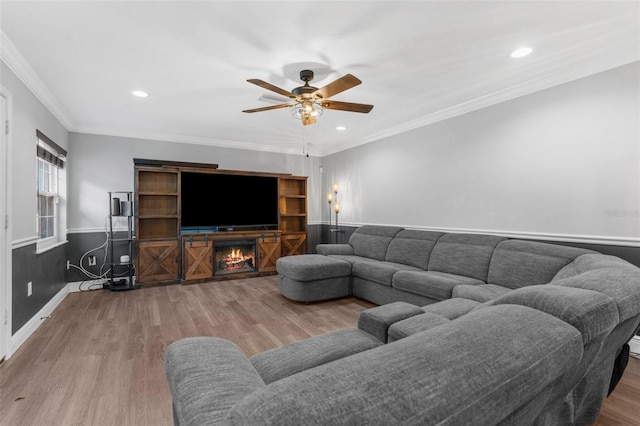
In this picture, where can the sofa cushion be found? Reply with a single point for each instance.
(432, 284)
(480, 293)
(376, 321)
(379, 272)
(412, 247)
(312, 267)
(372, 241)
(464, 254)
(452, 308)
(293, 358)
(327, 249)
(621, 284)
(518, 263)
(593, 314)
(589, 262)
(415, 324)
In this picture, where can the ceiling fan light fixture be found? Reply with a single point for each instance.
(306, 109)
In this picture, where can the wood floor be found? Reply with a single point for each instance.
(99, 359)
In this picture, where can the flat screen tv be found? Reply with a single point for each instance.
(228, 202)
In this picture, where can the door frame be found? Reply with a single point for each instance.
(5, 220)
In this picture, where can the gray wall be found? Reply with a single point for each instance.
(560, 162)
(45, 270)
(105, 163)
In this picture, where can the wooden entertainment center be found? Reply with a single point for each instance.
(167, 252)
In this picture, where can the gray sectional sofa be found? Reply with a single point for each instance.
(471, 329)
(390, 264)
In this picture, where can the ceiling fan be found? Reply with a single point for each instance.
(308, 102)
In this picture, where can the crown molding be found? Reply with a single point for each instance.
(195, 140)
(21, 68)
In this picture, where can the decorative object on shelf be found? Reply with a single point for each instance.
(308, 102)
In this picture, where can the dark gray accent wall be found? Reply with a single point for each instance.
(47, 273)
(92, 243)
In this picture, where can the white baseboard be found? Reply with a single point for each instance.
(634, 344)
(32, 325)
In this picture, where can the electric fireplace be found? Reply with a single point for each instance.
(234, 257)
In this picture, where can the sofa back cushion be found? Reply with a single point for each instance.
(372, 241)
(594, 314)
(518, 263)
(412, 247)
(464, 254)
(590, 262)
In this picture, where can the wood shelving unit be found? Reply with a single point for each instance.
(158, 224)
(164, 255)
(292, 191)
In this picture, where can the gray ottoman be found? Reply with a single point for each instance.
(313, 277)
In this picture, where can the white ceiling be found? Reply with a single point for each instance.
(419, 61)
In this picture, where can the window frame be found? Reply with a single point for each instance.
(50, 162)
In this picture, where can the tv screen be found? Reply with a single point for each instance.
(229, 201)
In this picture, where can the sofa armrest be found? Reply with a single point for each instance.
(339, 249)
(376, 321)
(207, 377)
(293, 358)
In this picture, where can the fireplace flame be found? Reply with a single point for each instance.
(235, 259)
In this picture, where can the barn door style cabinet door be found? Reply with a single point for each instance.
(157, 224)
(269, 251)
(198, 257)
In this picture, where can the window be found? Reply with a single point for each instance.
(47, 199)
(50, 159)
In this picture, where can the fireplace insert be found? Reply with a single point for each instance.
(234, 257)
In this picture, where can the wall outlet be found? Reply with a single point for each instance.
(92, 261)
(68, 265)
(29, 288)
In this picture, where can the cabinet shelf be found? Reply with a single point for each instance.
(148, 193)
(158, 216)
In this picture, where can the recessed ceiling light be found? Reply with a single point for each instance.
(521, 52)
(140, 93)
(341, 128)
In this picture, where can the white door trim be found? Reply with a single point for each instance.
(5, 234)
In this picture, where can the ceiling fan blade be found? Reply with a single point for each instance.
(347, 106)
(271, 87)
(340, 85)
(267, 108)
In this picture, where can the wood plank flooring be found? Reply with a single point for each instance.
(99, 359)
